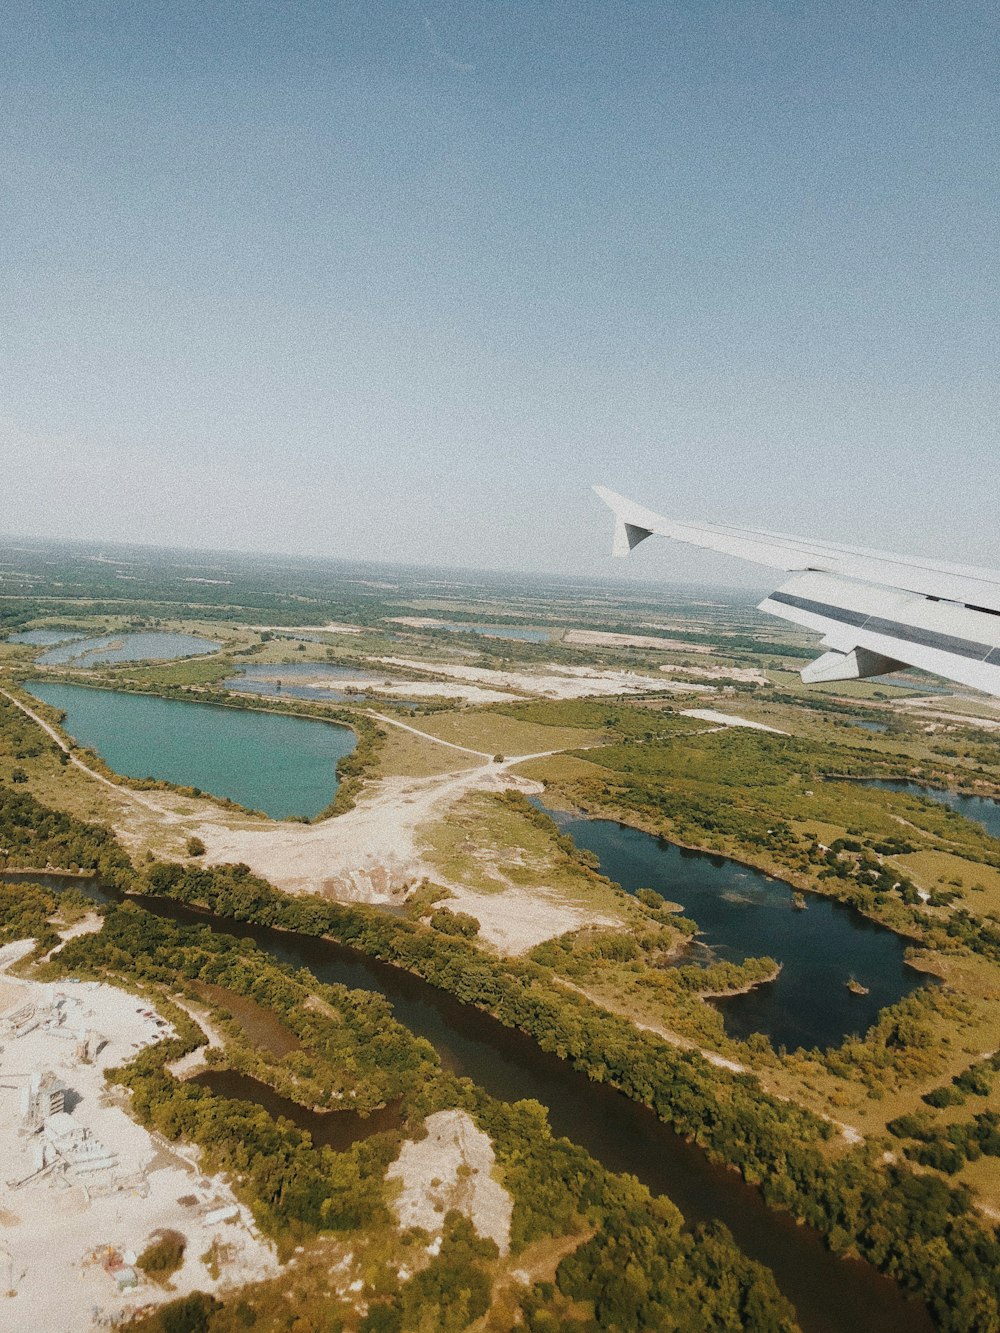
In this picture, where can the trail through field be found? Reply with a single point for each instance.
(372, 853)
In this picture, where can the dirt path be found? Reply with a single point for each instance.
(426, 735)
(372, 853)
(195, 1061)
(54, 735)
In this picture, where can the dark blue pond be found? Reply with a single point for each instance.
(980, 809)
(742, 914)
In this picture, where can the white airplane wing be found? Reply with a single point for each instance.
(877, 612)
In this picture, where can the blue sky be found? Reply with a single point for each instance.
(402, 280)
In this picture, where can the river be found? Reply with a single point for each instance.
(831, 1295)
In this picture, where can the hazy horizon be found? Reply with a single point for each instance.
(400, 282)
(214, 558)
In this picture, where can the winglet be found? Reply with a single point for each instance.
(627, 535)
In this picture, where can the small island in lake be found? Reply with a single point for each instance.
(855, 987)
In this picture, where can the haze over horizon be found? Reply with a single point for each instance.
(399, 282)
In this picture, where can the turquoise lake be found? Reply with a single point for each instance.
(500, 632)
(281, 765)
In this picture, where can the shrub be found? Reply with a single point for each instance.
(163, 1256)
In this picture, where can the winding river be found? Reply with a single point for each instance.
(831, 1295)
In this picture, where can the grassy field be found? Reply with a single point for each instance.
(489, 846)
(494, 733)
(405, 755)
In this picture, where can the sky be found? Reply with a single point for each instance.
(401, 281)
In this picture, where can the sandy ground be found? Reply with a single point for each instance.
(195, 1060)
(50, 1227)
(517, 919)
(375, 853)
(372, 853)
(930, 708)
(396, 689)
(557, 682)
(332, 627)
(728, 720)
(588, 638)
(432, 1185)
(751, 674)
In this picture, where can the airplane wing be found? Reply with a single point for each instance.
(877, 612)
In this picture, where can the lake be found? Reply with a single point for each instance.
(743, 913)
(831, 1294)
(281, 765)
(40, 638)
(110, 649)
(285, 678)
(981, 809)
(518, 632)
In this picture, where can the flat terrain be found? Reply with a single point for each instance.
(685, 717)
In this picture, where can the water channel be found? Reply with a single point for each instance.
(330, 1129)
(266, 761)
(831, 1295)
(980, 809)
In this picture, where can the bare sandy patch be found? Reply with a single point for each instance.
(85, 1187)
(331, 627)
(517, 919)
(588, 638)
(555, 682)
(728, 720)
(370, 854)
(752, 675)
(195, 1061)
(452, 1169)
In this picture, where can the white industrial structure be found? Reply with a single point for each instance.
(877, 612)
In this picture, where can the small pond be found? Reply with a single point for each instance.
(281, 765)
(315, 681)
